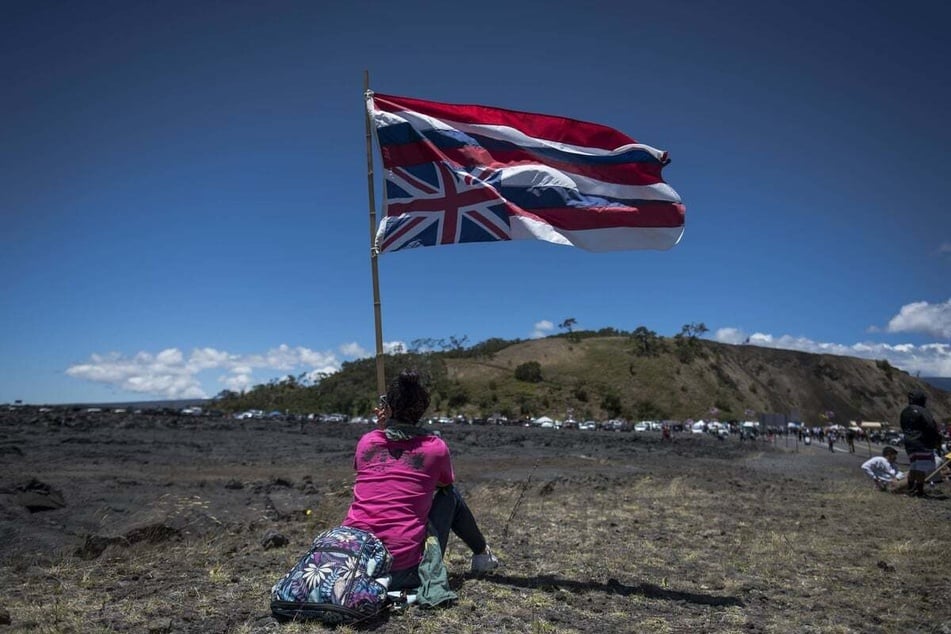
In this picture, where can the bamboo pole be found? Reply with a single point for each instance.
(947, 461)
(374, 254)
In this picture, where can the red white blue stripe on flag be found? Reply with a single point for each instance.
(467, 173)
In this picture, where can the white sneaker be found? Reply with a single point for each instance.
(484, 562)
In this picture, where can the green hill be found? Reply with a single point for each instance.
(636, 376)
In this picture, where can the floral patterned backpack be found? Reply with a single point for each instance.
(342, 579)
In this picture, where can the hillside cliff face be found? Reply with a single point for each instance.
(695, 380)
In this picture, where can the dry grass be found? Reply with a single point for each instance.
(600, 536)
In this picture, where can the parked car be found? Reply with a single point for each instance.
(893, 437)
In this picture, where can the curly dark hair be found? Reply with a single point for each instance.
(407, 398)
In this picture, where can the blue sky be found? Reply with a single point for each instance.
(184, 188)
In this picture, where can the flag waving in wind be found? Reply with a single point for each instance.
(466, 173)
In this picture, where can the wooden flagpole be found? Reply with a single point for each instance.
(377, 306)
(947, 461)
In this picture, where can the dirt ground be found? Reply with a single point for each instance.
(149, 523)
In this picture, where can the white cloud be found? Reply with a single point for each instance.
(353, 350)
(945, 248)
(169, 357)
(542, 328)
(164, 374)
(932, 359)
(238, 382)
(930, 319)
(729, 335)
(315, 376)
(205, 358)
(394, 347)
(169, 374)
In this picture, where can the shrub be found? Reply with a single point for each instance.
(530, 372)
(885, 367)
(611, 403)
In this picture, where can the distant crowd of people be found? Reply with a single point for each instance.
(926, 445)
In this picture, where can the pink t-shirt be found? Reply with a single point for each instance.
(394, 490)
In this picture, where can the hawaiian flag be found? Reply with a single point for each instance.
(467, 173)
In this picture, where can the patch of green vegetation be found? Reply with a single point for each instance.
(529, 372)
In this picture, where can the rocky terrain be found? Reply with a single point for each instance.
(163, 523)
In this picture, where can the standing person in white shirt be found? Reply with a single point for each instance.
(882, 470)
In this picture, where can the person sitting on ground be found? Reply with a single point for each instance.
(882, 470)
(404, 494)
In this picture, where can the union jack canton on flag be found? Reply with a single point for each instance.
(466, 173)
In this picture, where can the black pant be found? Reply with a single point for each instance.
(449, 512)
